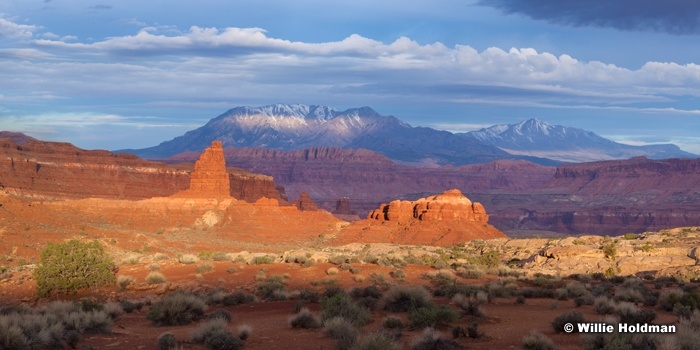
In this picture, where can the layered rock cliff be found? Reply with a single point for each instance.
(209, 178)
(55, 170)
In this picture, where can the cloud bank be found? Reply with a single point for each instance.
(679, 17)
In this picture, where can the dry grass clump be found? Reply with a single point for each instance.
(376, 340)
(187, 259)
(304, 319)
(124, 281)
(160, 256)
(332, 271)
(538, 341)
(431, 339)
(155, 278)
(342, 331)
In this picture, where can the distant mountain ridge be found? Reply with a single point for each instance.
(292, 127)
(298, 126)
(536, 138)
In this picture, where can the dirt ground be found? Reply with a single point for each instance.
(504, 325)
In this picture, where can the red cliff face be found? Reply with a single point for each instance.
(54, 170)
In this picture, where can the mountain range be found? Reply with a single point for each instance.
(297, 126)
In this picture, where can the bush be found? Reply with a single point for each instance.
(124, 281)
(376, 341)
(431, 339)
(206, 329)
(631, 314)
(260, 260)
(340, 305)
(176, 309)
(341, 331)
(304, 319)
(604, 305)
(392, 322)
(538, 341)
(244, 331)
(223, 341)
(129, 306)
(237, 297)
(403, 299)
(187, 259)
(204, 268)
(222, 314)
(272, 289)
(573, 317)
(434, 316)
(155, 278)
(332, 271)
(167, 341)
(73, 265)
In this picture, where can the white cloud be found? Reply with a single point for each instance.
(13, 30)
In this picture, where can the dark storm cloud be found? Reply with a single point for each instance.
(679, 17)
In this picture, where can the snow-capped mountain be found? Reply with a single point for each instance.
(536, 138)
(296, 126)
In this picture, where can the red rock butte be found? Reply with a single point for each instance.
(451, 205)
(444, 219)
(209, 178)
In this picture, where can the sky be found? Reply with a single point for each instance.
(130, 74)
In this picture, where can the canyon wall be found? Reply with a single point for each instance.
(55, 170)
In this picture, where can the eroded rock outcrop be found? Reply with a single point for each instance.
(209, 178)
(451, 205)
(444, 219)
(305, 203)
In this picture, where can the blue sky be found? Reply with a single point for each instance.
(127, 74)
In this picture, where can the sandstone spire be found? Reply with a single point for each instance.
(210, 178)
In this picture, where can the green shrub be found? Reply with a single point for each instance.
(340, 305)
(73, 265)
(176, 309)
(434, 316)
(403, 299)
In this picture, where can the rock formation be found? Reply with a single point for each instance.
(209, 178)
(304, 203)
(444, 219)
(56, 170)
(450, 206)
